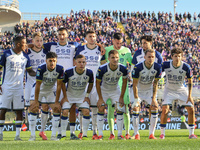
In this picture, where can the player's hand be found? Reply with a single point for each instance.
(154, 104)
(64, 99)
(87, 100)
(1, 92)
(34, 107)
(190, 99)
(57, 107)
(136, 103)
(121, 101)
(100, 102)
(103, 51)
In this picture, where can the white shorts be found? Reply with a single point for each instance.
(143, 95)
(67, 105)
(170, 95)
(93, 98)
(27, 95)
(114, 96)
(45, 97)
(9, 97)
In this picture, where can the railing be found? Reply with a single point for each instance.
(10, 3)
(40, 16)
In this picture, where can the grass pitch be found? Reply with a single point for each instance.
(175, 139)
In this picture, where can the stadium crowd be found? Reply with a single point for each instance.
(166, 33)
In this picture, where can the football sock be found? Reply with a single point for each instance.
(80, 116)
(18, 125)
(162, 128)
(191, 129)
(55, 123)
(64, 123)
(1, 126)
(111, 118)
(72, 128)
(100, 122)
(44, 117)
(86, 122)
(32, 122)
(59, 128)
(120, 121)
(153, 121)
(29, 125)
(127, 120)
(135, 119)
(94, 119)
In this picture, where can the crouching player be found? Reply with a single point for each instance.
(77, 79)
(144, 74)
(107, 87)
(46, 93)
(176, 71)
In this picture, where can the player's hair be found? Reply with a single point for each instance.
(90, 32)
(176, 51)
(80, 56)
(37, 34)
(117, 36)
(112, 52)
(150, 51)
(18, 39)
(51, 55)
(148, 38)
(62, 29)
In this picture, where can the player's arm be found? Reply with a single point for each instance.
(103, 51)
(63, 87)
(90, 86)
(58, 90)
(98, 88)
(124, 85)
(31, 72)
(155, 88)
(135, 92)
(190, 84)
(35, 105)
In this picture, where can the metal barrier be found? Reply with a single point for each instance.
(10, 3)
(40, 16)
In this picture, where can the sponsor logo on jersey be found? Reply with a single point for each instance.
(38, 73)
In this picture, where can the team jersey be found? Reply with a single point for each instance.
(49, 78)
(124, 54)
(93, 57)
(36, 59)
(65, 53)
(77, 83)
(14, 66)
(176, 76)
(109, 77)
(146, 76)
(139, 57)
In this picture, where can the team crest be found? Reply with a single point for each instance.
(97, 53)
(38, 73)
(180, 72)
(122, 54)
(133, 72)
(43, 55)
(152, 72)
(119, 73)
(85, 78)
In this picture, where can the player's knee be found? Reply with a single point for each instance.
(165, 109)
(65, 112)
(190, 110)
(86, 112)
(136, 108)
(45, 107)
(101, 109)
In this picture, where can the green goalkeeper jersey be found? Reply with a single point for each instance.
(124, 58)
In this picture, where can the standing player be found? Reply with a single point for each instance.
(125, 57)
(108, 76)
(77, 79)
(93, 56)
(144, 74)
(45, 92)
(146, 43)
(37, 57)
(176, 71)
(14, 63)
